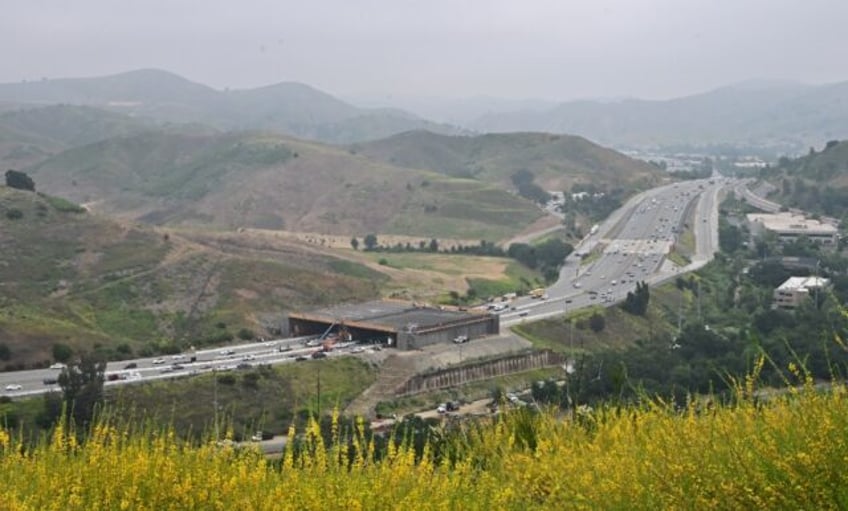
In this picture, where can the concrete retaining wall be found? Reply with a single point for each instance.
(473, 328)
(457, 376)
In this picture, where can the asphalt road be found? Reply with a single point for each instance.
(633, 244)
(228, 358)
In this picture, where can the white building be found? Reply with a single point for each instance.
(797, 289)
(789, 227)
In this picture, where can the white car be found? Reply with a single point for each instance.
(58, 365)
(158, 361)
(14, 386)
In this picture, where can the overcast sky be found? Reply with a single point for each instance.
(558, 49)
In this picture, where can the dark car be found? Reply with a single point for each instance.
(300, 358)
(319, 354)
(131, 365)
(50, 380)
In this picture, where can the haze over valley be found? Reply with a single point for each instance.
(309, 255)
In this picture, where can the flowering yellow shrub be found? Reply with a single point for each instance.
(789, 453)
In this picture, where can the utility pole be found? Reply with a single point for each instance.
(215, 403)
(700, 316)
(318, 384)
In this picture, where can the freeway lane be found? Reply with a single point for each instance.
(217, 359)
(633, 245)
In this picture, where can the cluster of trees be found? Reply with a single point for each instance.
(523, 181)
(636, 301)
(81, 384)
(547, 257)
(598, 202)
(19, 180)
(484, 248)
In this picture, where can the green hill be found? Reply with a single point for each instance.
(30, 135)
(270, 181)
(817, 182)
(556, 161)
(71, 277)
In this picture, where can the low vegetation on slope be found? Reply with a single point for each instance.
(787, 453)
(269, 181)
(556, 161)
(72, 278)
(817, 182)
(30, 135)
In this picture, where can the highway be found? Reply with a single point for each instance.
(227, 358)
(760, 202)
(630, 246)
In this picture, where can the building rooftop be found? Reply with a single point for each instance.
(793, 283)
(789, 222)
(396, 315)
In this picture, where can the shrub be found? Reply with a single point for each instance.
(597, 322)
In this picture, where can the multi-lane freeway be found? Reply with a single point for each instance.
(630, 246)
(24, 383)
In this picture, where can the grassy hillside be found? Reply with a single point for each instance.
(30, 135)
(269, 181)
(817, 182)
(76, 278)
(556, 161)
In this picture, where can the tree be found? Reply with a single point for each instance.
(636, 301)
(82, 388)
(370, 241)
(434, 245)
(62, 352)
(597, 322)
(354, 243)
(19, 180)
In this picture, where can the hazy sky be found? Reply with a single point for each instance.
(558, 49)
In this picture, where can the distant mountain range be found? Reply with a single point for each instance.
(290, 108)
(775, 117)
(766, 116)
(784, 117)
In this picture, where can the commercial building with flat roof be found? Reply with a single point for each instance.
(795, 290)
(789, 227)
(397, 324)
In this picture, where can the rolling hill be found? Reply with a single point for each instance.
(777, 116)
(263, 180)
(556, 161)
(30, 135)
(290, 108)
(817, 182)
(71, 277)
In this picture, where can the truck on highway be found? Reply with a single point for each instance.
(594, 229)
(537, 293)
